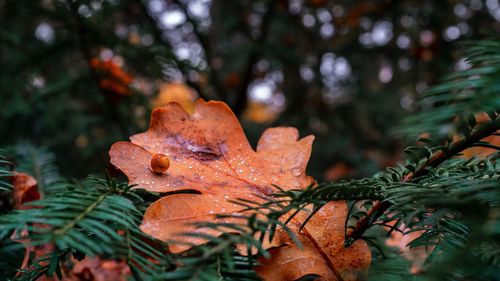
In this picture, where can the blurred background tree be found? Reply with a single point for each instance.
(76, 76)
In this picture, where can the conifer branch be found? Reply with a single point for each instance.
(438, 158)
(71, 224)
(5, 174)
(466, 142)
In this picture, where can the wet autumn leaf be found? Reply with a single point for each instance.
(211, 157)
(323, 252)
(209, 154)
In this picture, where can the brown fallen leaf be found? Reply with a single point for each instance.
(323, 252)
(401, 238)
(176, 92)
(97, 269)
(210, 155)
(89, 269)
(24, 190)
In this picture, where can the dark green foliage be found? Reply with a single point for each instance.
(11, 257)
(460, 95)
(49, 265)
(37, 162)
(51, 96)
(5, 173)
(54, 99)
(205, 263)
(94, 218)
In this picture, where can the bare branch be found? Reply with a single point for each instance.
(158, 36)
(203, 40)
(86, 51)
(247, 75)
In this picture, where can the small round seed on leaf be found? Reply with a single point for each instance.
(219, 163)
(160, 163)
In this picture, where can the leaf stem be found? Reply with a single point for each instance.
(323, 254)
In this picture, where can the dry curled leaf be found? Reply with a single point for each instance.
(400, 240)
(24, 190)
(97, 269)
(89, 269)
(210, 156)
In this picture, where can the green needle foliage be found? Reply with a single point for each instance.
(95, 218)
(460, 95)
(453, 203)
(37, 162)
(5, 172)
(454, 206)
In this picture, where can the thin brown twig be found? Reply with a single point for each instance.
(435, 160)
(247, 75)
(87, 55)
(215, 81)
(158, 36)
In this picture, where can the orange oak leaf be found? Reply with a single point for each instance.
(323, 252)
(210, 155)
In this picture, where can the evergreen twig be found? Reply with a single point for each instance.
(439, 157)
